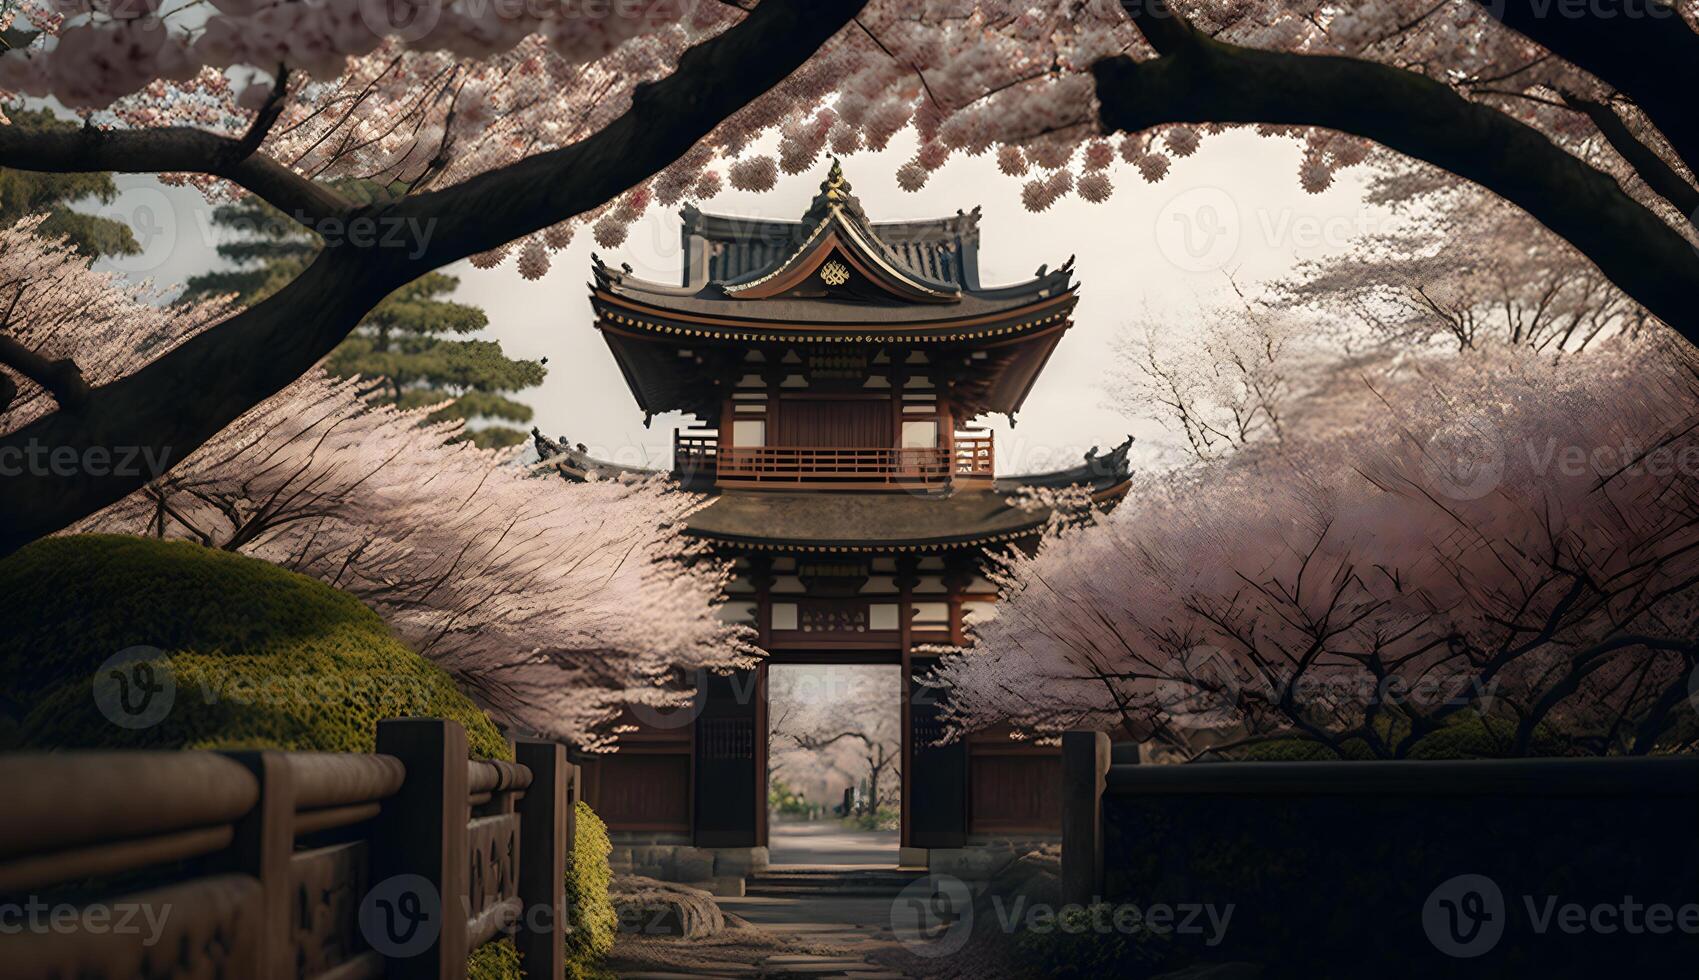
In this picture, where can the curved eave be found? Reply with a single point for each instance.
(966, 537)
(638, 318)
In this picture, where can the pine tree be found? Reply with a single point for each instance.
(24, 193)
(411, 342)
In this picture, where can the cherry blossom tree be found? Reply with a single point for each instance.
(1460, 267)
(1504, 536)
(51, 305)
(500, 130)
(616, 99)
(840, 719)
(1220, 389)
(554, 603)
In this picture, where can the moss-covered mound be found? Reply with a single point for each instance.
(248, 655)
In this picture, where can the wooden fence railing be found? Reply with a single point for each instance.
(286, 864)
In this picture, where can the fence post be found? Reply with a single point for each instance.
(421, 834)
(544, 820)
(1085, 763)
(265, 839)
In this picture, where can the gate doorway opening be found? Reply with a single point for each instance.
(834, 772)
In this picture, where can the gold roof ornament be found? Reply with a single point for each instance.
(835, 187)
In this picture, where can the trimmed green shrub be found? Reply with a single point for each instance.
(592, 921)
(1084, 944)
(498, 960)
(261, 657)
(1467, 737)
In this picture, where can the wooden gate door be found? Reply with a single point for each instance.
(729, 791)
(938, 784)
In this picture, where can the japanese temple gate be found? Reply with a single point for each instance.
(837, 367)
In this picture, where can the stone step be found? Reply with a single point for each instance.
(841, 884)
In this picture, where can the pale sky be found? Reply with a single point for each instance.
(1159, 250)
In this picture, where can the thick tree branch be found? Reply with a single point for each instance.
(172, 149)
(264, 119)
(62, 378)
(666, 119)
(1648, 54)
(176, 403)
(1202, 80)
(1662, 178)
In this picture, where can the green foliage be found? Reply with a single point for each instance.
(592, 922)
(1466, 737)
(1083, 943)
(498, 960)
(25, 192)
(407, 341)
(884, 818)
(782, 799)
(261, 657)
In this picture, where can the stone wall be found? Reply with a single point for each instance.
(671, 857)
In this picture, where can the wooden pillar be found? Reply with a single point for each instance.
(545, 846)
(958, 576)
(906, 580)
(939, 817)
(761, 576)
(1085, 764)
(265, 839)
(421, 834)
(729, 761)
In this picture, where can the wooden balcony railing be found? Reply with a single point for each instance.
(699, 455)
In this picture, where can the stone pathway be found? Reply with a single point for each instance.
(825, 843)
